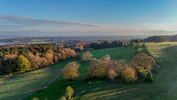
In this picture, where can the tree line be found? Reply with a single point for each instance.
(105, 44)
(21, 59)
(139, 68)
(163, 38)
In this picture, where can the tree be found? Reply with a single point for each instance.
(67, 52)
(120, 66)
(63, 54)
(144, 60)
(86, 56)
(112, 74)
(8, 63)
(34, 60)
(69, 92)
(49, 58)
(59, 56)
(106, 57)
(23, 64)
(97, 69)
(128, 74)
(55, 59)
(71, 70)
(44, 62)
(72, 53)
(149, 77)
(142, 73)
(63, 98)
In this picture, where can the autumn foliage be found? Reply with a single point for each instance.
(129, 72)
(68, 94)
(70, 70)
(144, 60)
(97, 69)
(112, 74)
(87, 56)
(10, 64)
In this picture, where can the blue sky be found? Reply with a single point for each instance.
(88, 17)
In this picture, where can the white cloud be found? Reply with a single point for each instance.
(20, 25)
(13, 20)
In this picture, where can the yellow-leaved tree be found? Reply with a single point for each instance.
(23, 64)
(71, 70)
(69, 92)
(128, 74)
(97, 69)
(112, 74)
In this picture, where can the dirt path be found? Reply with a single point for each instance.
(43, 86)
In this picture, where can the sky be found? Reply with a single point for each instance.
(88, 17)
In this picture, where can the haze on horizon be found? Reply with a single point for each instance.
(88, 17)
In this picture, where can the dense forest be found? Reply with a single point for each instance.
(164, 38)
(20, 58)
(107, 44)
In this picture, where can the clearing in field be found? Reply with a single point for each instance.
(20, 86)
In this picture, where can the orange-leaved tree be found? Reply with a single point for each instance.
(143, 60)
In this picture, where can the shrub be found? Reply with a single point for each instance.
(35, 98)
(90, 83)
(144, 45)
(149, 77)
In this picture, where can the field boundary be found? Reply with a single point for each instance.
(156, 60)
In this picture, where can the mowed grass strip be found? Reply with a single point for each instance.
(18, 86)
(57, 89)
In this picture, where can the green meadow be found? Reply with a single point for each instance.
(163, 88)
(19, 86)
(164, 85)
(57, 89)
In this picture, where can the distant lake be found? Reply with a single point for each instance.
(5, 43)
(5, 38)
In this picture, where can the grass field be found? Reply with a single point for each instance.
(57, 89)
(20, 85)
(163, 88)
